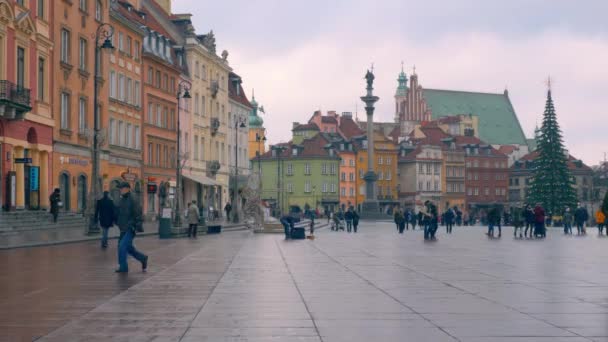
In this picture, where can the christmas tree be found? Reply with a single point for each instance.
(605, 204)
(552, 183)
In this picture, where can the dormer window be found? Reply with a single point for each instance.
(294, 152)
(341, 147)
(331, 152)
(274, 153)
(364, 143)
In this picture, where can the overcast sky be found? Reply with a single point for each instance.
(301, 56)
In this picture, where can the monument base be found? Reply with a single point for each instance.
(370, 210)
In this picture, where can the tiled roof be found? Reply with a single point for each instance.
(571, 161)
(153, 24)
(313, 147)
(467, 140)
(498, 123)
(508, 149)
(329, 119)
(449, 119)
(349, 128)
(306, 127)
(133, 14)
(239, 96)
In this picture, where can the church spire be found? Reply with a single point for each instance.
(402, 83)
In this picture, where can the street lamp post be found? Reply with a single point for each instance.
(261, 140)
(239, 122)
(183, 91)
(278, 151)
(102, 41)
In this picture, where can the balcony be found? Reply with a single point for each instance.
(213, 166)
(14, 101)
(215, 126)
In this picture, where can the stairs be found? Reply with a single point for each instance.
(17, 221)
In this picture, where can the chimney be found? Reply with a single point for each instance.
(165, 5)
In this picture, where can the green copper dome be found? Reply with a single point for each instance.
(255, 121)
(402, 80)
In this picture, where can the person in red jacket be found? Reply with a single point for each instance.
(539, 221)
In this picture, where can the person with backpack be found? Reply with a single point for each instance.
(104, 215)
(129, 221)
(449, 220)
(580, 217)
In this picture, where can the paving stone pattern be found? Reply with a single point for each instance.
(371, 286)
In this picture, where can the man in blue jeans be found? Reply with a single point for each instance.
(129, 221)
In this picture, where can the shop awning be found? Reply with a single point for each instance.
(204, 180)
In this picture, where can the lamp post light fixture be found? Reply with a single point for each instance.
(183, 92)
(278, 151)
(103, 40)
(261, 139)
(239, 122)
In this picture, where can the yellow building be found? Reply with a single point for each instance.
(385, 167)
(257, 133)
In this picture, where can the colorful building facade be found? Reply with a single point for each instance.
(26, 119)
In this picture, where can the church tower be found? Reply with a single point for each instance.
(401, 96)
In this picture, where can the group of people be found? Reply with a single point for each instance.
(127, 215)
(342, 220)
(427, 219)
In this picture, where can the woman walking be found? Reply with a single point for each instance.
(55, 201)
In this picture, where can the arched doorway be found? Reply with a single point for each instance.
(64, 188)
(82, 193)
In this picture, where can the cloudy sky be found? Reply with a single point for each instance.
(301, 56)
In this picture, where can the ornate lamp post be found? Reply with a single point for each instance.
(261, 139)
(103, 40)
(183, 91)
(238, 123)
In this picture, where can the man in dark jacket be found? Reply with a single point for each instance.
(348, 217)
(129, 221)
(580, 217)
(493, 221)
(288, 224)
(55, 200)
(539, 221)
(449, 216)
(529, 219)
(104, 215)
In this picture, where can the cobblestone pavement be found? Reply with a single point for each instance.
(372, 286)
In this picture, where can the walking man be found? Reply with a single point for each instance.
(600, 218)
(348, 216)
(129, 221)
(55, 200)
(104, 214)
(580, 217)
(494, 220)
(449, 220)
(355, 220)
(539, 221)
(228, 209)
(400, 220)
(518, 222)
(529, 217)
(193, 216)
(567, 221)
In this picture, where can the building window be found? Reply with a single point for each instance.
(380, 160)
(112, 132)
(40, 8)
(307, 186)
(333, 169)
(486, 191)
(324, 188)
(129, 135)
(428, 186)
(333, 187)
(290, 169)
(157, 79)
(361, 174)
(150, 153)
(137, 94)
(121, 87)
(159, 115)
(137, 137)
(150, 76)
(112, 84)
(352, 192)
(98, 10)
(129, 91)
(82, 115)
(65, 111)
(307, 169)
(166, 156)
(388, 175)
(195, 147)
(380, 175)
(158, 155)
(82, 59)
(65, 46)
(290, 187)
(41, 78)
(83, 5)
(121, 133)
(470, 192)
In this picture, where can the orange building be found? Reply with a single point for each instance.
(385, 168)
(124, 77)
(26, 123)
(74, 30)
(162, 66)
(257, 133)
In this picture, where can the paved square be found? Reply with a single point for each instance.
(372, 286)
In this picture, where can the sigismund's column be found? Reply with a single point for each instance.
(370, 207)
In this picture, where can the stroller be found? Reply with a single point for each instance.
(338, 223)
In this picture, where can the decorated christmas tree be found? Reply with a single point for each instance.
(552, 183)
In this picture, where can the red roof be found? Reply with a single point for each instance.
(349, 128)
(434, 133)
(508, 149)
(306, 127)
(571, 161)
(329, 119)
(237, 96)
(313, 147)
(133, 14)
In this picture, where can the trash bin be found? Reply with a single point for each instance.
(214, 229)
(164, 228)
(164, 224)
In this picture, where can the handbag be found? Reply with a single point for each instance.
(60, 204)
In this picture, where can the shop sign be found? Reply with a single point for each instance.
(34, 178)
(23, 160)
(129, 177)
(73, 161)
